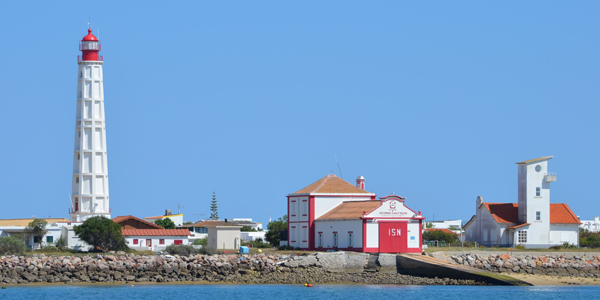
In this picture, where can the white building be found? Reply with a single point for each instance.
(89, 196)
(222, 235)
(532, 222)
(452, 225)
(334, 214)
(55, 229)
(143, 235)
(591, 225)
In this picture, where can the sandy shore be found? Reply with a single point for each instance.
(556, 280)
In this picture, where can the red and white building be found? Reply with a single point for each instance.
(334, 214)
(143, 235)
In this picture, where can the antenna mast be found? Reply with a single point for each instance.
(338, 164)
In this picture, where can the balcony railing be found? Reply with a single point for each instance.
(100, 58)
(550, 177)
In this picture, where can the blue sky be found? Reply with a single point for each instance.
(433, 101)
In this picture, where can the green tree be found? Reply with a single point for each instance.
(10, 245)
(438, 235)
(37, 229)
(247, 228)
(166, 223)
(274, 229)
(429, 225)
(101, 233)
(214, 215)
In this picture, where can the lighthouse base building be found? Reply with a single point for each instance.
(334, 214)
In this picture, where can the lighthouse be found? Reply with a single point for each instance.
(89, 196)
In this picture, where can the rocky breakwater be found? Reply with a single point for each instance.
(559, 265)
(336, 267)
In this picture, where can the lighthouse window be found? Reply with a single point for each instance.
(538, 215)
(76, 179)
(538, 191)
(78, 156)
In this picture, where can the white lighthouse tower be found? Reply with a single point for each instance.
(90, 174)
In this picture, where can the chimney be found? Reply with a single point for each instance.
(360, 182)
(167, 212)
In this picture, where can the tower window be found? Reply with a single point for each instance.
(76, 179)
(538, 215)
(538, 191)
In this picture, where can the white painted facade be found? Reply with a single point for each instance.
(339, 233)
(298, 217)
(224, 237)
(591, 225)
(89, 195)
(154, 243)
(532, 227)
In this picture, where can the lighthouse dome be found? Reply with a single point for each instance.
(90, 36)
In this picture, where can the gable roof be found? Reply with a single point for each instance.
(560, 213)
(535, 160)
(331, 184)
(155, 232)
(350, 210)
(121, 219)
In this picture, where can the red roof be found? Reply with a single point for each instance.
(351, 210)
(90, 36)
(155, 232)
(560, 213)
(121, 219)
(442, 230)
(331, 184)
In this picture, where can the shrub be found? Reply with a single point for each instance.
(557, 247)
(186, 250)
(203, 241)
(11, 245)
(286, 247)
(181, 250)
(207, 250)
(520, 247)
(258, 243)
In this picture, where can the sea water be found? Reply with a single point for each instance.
(279, 292)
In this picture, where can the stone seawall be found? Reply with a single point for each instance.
(338, 267)
(549, 264)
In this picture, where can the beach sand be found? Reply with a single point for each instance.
(556, 280)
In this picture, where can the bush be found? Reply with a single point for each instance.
(438, 235)
(186, 250)
(12, 245)
(258, 243)
(286, 247)
(203, 241)
(520, 247)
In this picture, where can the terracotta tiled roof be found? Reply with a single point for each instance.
(560, 213)
(25, 222)
(350, 210)
(504, 212)
(518, 226)
(331, 184)
(155, 232)
(121, 219)
(442, 230)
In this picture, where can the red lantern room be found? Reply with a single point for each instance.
(89, 46)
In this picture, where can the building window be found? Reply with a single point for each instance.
(522, 237)
(161, 241)
(76, 179)
(335, 239)
(135, 241)
(201, 229)
(538, 215)
(350, 236)
(49, 239)
(177, 242)
(320, 243)
(538, 191)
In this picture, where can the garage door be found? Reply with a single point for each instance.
(392, 237)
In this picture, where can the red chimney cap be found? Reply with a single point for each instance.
(90, 36)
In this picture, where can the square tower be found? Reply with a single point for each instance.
(534, 197)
